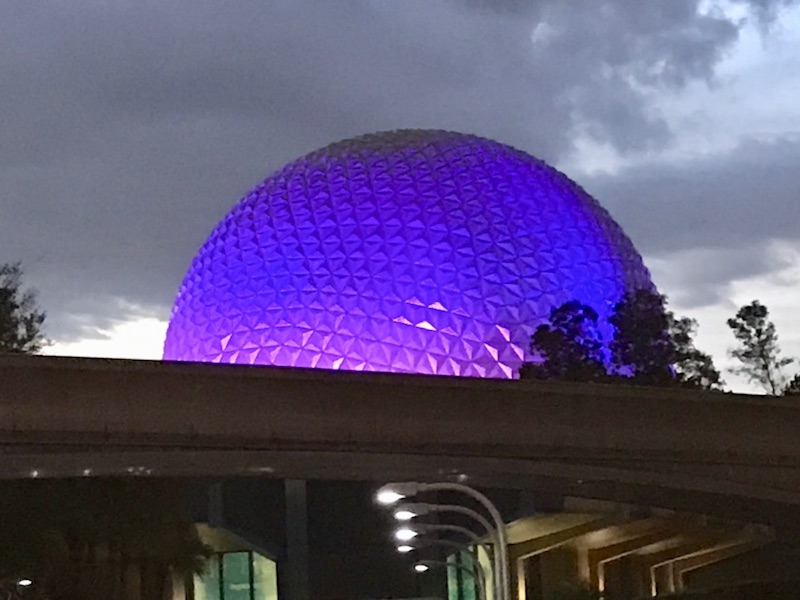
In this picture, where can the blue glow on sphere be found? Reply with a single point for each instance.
(408, 251)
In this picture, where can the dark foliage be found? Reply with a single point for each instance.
(20, 318)
(758, 350)
(792, 388)
(642, 349)
(569, 348)
(78, 538)
(693, 368)
(650, 346)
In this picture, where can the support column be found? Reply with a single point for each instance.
(662, 579)
(295, 573)
(517, 576)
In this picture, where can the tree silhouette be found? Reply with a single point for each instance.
(650, 346)
(758, 351)
(569, 347)
(642, 349)
(792, 388)
(20, 318)
(693, 368)
(81, 538)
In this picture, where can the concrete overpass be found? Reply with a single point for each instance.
(736, 454)
(605, 451)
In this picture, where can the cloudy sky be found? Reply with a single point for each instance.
(130, 128)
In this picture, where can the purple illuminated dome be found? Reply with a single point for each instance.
(408, 251)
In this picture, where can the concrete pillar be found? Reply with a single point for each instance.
(295, 572)
(663, 578)
(517, 576)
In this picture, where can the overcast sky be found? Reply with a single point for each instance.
(129, 128)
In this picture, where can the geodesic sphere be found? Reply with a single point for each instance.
(408, 251)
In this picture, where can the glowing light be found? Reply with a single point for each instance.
(388, 496)
(408, 251)
(421, 568)
(405, 549)
(405, 534)
(24, 582)
(404, 515)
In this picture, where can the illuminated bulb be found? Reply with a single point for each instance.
(405, 549)
(24, 582)
(420, 568)
(387, 497)
(404, 515)
(405, 534)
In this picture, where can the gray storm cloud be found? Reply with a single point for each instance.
(130, 128)
(727, 208)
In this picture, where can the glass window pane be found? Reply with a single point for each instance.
(236, 576)
(467, 579)
(453, 579)
(207, 586)
(265, 578)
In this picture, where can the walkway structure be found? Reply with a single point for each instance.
(62, 416)
(733, 456)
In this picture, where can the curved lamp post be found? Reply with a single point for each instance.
(392, 493)
(409, 532)
(409, 511)
(478, 574)
(406, 534)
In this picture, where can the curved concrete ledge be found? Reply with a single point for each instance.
(179, 416)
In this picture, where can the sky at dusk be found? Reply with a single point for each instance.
(129, 129)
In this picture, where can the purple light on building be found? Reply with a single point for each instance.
(407, 251)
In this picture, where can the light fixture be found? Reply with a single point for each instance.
(495, 527)
(24, 582)
(421, 568)
(405, 534)
(405, 549)
(408, 511)
(394, 492)
(388, 496)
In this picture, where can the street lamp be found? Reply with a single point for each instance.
(424, 542)
(392, 493)
(408, 511)
(409, 532)
(405, 534)
(388, 496)
(11, 587)
(420, 542)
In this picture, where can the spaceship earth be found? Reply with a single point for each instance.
(414, 251)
